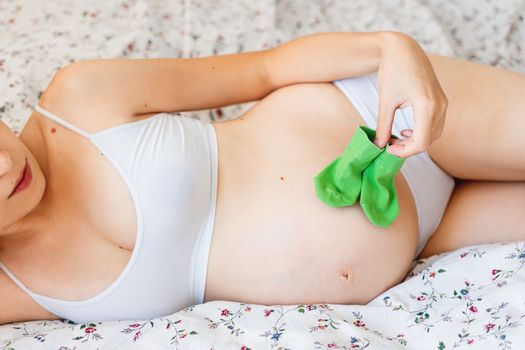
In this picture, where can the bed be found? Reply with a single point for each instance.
(473, 297)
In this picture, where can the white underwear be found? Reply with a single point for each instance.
(431, 186)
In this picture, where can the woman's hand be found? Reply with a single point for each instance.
(406, 78)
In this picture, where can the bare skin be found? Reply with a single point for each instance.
(273, 240)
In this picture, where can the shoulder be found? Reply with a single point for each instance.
(73, 98)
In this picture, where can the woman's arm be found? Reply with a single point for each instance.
(140, 86)
(404, 73)
(325, 57)
(133, 87)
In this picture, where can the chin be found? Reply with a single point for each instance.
(37, 189)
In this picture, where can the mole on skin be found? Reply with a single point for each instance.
(53, 130)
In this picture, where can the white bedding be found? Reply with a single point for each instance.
(470, 298)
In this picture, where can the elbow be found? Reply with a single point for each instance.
(267, 70)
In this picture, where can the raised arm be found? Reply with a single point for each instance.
(405, 77)
(325, 57)
(140, 86)
(143, 86)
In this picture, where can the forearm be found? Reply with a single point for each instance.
(324, 57)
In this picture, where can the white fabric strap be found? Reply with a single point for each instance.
(62, 122)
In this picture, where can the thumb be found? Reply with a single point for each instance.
(384, 124)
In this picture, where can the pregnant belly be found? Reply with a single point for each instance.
(274, 241)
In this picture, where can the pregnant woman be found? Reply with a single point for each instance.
(113, 209)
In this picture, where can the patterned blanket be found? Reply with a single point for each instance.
(470, 298)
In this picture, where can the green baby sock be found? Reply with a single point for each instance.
(366, 170)
(378, 193)
(339, 184)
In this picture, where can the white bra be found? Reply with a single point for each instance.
(169, 163)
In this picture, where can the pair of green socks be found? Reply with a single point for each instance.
(363, 170)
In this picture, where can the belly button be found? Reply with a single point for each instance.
(345, 277)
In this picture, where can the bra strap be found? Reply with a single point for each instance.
(14, 279)
(62, 122)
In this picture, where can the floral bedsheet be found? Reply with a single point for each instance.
(471, 298)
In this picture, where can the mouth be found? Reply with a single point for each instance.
(22, 179)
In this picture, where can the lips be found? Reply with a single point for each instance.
(19, 179)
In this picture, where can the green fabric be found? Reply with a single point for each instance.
(339, 184)
(366, 171)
